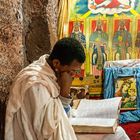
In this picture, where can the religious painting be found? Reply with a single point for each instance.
(126, 88)
(122, 39)
(98, 42)
(76, 30)
(111, 7)
(114, 41)
(137, 42)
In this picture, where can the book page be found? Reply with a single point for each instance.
(93, 122)
(105, 108)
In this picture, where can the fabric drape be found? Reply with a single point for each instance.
(63, 17)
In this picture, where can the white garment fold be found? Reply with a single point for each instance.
(34, 110)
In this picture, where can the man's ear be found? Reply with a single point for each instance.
(56, 63)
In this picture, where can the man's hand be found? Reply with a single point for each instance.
(65, 81)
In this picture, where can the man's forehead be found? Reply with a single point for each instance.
(75, 63)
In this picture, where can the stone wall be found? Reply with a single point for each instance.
(27, 28)
(40, 26)
(11, 49)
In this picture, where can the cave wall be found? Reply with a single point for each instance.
(28, 29)
(11, 50)
(40, 27)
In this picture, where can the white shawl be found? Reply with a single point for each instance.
(34, 111)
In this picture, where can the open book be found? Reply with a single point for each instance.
(96, 116)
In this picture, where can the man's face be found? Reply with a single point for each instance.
(71, 69)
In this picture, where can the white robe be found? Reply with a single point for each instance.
(34, 110)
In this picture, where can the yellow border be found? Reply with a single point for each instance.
(136, 49)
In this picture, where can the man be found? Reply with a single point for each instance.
(39, 93)
(34, 110)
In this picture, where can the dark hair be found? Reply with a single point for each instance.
(66, 50)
